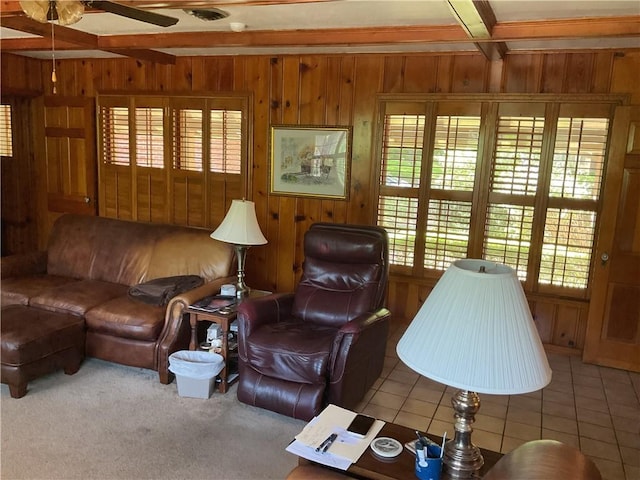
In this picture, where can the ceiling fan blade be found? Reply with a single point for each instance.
(132, 12)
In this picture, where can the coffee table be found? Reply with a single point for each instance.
(371, 467)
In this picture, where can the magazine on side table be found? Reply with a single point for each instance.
(215, 304)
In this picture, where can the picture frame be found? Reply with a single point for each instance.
(310, 161)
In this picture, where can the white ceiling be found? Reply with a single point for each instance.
(350, 14)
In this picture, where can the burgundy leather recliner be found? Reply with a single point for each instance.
(324, 343)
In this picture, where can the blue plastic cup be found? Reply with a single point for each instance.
(432, 466)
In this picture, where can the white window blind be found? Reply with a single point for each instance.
(114, 125)
(149, 137)
(6, 131)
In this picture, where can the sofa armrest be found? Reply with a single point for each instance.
(23, 264)
(255, 312)
(177, 331)
(548, 459)
(357, 357)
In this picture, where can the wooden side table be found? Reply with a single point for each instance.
(224, 321)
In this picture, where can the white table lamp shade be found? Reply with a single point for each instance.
(475, 332)
(240, 225)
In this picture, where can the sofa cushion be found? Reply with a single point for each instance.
(126, 318)
(18, 290)
(190, 251)
(77, 297)
(100, 248)
(130, 253)
(292, 351)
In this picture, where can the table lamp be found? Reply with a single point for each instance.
(240, 228)
(475, 332)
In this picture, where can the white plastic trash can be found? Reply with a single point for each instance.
(195, 372)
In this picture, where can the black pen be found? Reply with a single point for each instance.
(324, 442)
(329, 442)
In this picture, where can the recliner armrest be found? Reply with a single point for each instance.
(366, 320)
(255, 312)
(23, 264)
(357, 357)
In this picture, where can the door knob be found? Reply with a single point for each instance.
(604, 258)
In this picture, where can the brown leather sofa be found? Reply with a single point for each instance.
(326, 342)
(88, 268)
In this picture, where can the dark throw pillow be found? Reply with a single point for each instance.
(159, 291)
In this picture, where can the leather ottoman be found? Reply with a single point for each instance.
(36, 342)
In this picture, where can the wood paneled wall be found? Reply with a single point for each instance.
(341, 90)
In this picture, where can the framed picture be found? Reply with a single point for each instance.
(310, 161)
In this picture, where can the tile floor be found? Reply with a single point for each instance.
(596, 409)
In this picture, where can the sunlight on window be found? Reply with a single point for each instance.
(115, 135)
(567, 246)
(455, 153)
(149, 137)
(398, 217)
(402, 150)
(187, 139)
(6, 131)
(447, 237)
(493, 186)
(578, 158)
(226, 141)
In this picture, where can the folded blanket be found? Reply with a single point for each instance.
(159, 291)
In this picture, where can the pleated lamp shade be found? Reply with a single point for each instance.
(475, 332)
(240, 225)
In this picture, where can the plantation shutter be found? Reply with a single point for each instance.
(516, 182)
(225, 142)
(6, 131)
(114, 135)
(401, 163)
(513, 185)
(149, 128)
(188, 139)
(453, 172)
(576, 182)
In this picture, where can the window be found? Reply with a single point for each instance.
(515, 182)
(6, 131)
(149, 137)
(114, 129)
(183, 133)
(225, 141)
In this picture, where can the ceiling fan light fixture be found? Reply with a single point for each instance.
(69, 11)
(37, 10)
(208, 14)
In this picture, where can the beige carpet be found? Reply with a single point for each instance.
(113, 422)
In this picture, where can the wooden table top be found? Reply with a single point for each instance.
(371, 467)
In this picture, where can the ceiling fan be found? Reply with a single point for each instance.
(68, 12)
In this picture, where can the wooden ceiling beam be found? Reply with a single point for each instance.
(27, 25)
(477, 19)
(12, 7)
(272, 38)
(568, 28)
(64, 36)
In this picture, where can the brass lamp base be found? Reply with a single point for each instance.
(242, 291)
(462, 459)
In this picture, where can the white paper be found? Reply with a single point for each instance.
(345, 450)
(298, 448)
